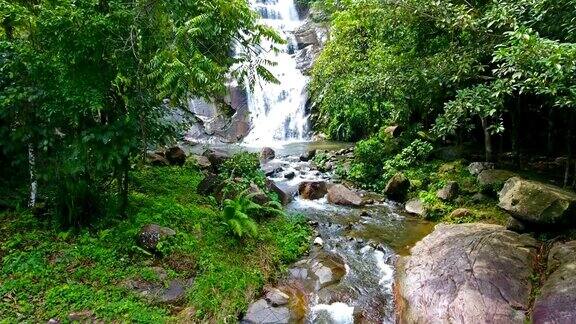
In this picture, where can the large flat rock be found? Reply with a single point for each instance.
(537, 203)
(468, 273)
(557, 300)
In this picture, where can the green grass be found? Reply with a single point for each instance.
(48, 273)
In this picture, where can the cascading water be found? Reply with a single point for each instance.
(278, 111)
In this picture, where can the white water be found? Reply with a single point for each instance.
(278, 111)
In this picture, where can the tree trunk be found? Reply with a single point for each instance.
(568, 148)
(487, 139)
(123, 187)
(33, 178)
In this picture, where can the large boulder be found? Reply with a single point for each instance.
(312, 189)
(285, 197)
(340, 195)
(151, 234)
(267, 154)
(257, 195)
(494, 179)
(538, 203)
(262, 312)
(557, 300)
(397, 187)
(416, 206)
(468, 273)
(176, 156)
(201, 161)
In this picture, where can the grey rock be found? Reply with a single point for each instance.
(340, 195)
(309, 155)
(276, 297)
(449, 191)
(468, 273)
(201, 161)
(394, 131)
(537, 203)
(216, 158)
(557, 300)
(257, 195)
(515, 225)
(460, 213)
(475, 168)
(156, 159)
(261, 312)
(267, 154)
(285, 197)
(416, 206)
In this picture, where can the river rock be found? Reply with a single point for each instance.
(276, 297)
(156, 159)
(151, 234)
(210, 184)
(475, 168)
(449, 191)
(340, 195)
(494, 179)
(201, 161)
(176, 156)
(309, 155)
(537, 203)
(328, 268)
(312, 189)
(467, 273)
(397, 187)
(512, 224)
(285, 198)
(260, 312)
(257, 195)
(557, 300)
(216, 158)
(290, 175)
(416, 206)
(267, 154)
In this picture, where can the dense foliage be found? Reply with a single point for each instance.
(450, 68)
(86, 87)
(47, 272)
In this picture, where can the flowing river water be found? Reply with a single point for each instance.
(348, 275)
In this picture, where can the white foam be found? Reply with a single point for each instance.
(338, 313)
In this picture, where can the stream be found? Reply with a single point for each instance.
(348, 275)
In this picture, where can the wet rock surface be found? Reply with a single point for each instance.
(312, 189)
(557, 300)
(449, 191)
(340, 195)
(456, 274)
(538, 203)
(415, 206)
(397, 187)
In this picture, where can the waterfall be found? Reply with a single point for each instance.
(278, 111)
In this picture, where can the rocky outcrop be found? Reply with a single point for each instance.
(538, 203)
(310, 38)
(267, 154)
(151, 234)
(449, 191)
(176, 156)
(397, 187)
(557, 300)
(312, 189)
(340, 195)
(469, 273)
(415, 206)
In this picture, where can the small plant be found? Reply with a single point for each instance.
(236, 213)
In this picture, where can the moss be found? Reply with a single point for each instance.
(48, 273)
